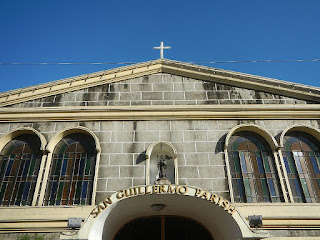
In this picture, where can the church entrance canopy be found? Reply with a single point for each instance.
(212, 212)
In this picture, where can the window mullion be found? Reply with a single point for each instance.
(308, 174)
(254, 181)
(71, 188)
(23, 162)
(246, 183)
(15, 177)
(304, 188)
(317, 175)
(263, 159)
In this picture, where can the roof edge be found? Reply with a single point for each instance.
(161, 66)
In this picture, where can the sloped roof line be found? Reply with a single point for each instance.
(251, 77)
(166, 66)
(79, 77)
(265, 80)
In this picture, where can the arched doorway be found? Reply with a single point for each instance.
(162, 227)
(107, 219)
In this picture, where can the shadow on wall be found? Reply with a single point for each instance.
(141, 157)
(220, 144)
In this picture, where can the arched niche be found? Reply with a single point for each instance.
(157, 152)
(299, 128)
(23, 131)
(253, 128)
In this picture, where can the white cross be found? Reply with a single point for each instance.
(161, 49)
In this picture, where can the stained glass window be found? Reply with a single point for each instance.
(301, 157)
(19, 167)
(253, 172)
(72, 171)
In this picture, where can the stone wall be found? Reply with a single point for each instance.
(30, 236)
(160, 89)
(199, 144)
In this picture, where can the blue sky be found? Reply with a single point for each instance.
(126, 31)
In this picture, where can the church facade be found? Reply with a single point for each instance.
(164, 150)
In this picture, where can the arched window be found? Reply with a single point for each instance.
(253, 171)
(19, 166)
(301, 157)
(72, 171)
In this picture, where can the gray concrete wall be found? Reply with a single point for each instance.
(199, 144)
(30, 236)
(160, 89)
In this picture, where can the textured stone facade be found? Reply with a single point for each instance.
(199, 143)
(123, 143)
(161, 89)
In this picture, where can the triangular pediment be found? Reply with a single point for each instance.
(202, 73)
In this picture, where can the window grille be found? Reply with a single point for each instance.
(302, 158)
(72, 171)
(19, 166)
(253, 172)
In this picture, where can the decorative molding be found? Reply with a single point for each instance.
(302, 128)
(160, 112)
(21, 131)
(40, 219)
(65, 132)
(253, 128)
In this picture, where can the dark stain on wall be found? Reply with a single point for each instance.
(257, 95)
(276, 96)
(132, 148)
(211, 102)
(58, 98)
(52, 101)
(234, 94)
(252, 101)
(217, 95)
(209, 86)
(36, 126)
(101, 88)
(145, 79)
(249, 121)
(223, 87)
(88, 97)
(110, 95)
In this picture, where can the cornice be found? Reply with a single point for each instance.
(77, 83)
(159, 112)
(161, 66)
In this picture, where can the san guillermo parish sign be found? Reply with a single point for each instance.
(164, 189)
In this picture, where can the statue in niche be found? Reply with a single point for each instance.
(162, 168)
